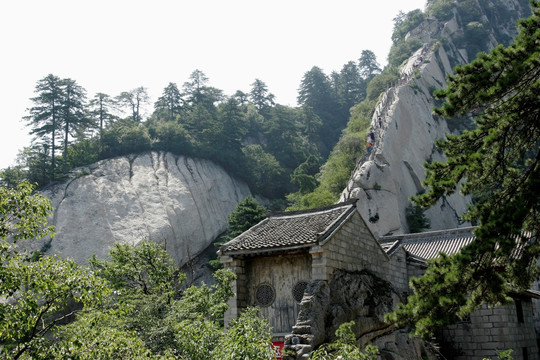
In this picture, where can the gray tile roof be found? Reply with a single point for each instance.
(290, 230)
(428, 245)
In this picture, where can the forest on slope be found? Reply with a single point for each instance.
(251, 136)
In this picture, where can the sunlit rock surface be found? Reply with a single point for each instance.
(181, 202)
(406, 128)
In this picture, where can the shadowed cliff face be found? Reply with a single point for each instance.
(406, 134)
(179, 201)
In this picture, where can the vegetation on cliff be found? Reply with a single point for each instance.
(248, 134)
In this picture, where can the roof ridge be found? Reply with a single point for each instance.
(315, 210)
(426, 234)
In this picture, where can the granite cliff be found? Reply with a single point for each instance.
(179, 201)
(406, 129)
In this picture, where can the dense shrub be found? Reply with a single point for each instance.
(441, 10)
(173, 137)
(402, 50)
(412, 19)
(264, 171)
(416, 219)
(381, 82)
(126, 138)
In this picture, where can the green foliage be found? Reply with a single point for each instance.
(335, 173)
(151, 324)
(145, 268)
(134, 100)
(441, 9)
(82, 153)
(438, 296)
(368, 65)
(242, 132)
(404, 23)
(23, 214)
(416, 218)
(98, 335)
(498, 162)
(337, 170)
(13, 175)
(264, 170)
(345, 347)
(170, 101)
(317, 93)
(173, 137)
(39, 292)
(504, 355)
(261, 97)
(238, 342)
(361, 116)
(304, 175)
(320, 197)
(36, 162)
(475, 35)
(45, 116)
(248, 212)
(468, 11)
(382, 82)
(127, 307)
(403, 50)
(126, 137)
(36, 291)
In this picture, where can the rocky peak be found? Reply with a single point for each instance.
(405, 128)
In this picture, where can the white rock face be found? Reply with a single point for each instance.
(179, 201)
(385, 180)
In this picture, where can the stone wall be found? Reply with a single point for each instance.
(353, 248)
(240, 300)
(495, 329)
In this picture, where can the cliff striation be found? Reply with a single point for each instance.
(179, 201)
(404, 125)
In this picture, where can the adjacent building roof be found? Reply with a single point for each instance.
(428, 245)
(291, 230)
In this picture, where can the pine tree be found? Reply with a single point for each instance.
(134, 99)
(100, 111)
(248, 212)
(170, 100)
(45, 115)
(261, 98)
(74, 119)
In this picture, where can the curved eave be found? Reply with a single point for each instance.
(266, 251)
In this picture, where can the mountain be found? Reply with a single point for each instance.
(179, 201)
(407, 132)
(184, 202)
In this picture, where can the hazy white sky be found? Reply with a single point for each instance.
(111, 46)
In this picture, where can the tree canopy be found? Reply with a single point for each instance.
(247, 133)
(498, 162)
(130, 306)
